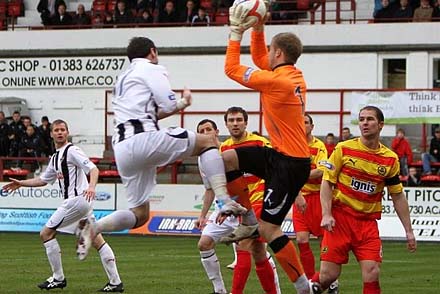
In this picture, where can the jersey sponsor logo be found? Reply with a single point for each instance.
(247, 74)
(85, 162)
(102, 196)
(362, 186)
(326, 164)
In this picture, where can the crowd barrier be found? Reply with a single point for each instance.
(175, 208)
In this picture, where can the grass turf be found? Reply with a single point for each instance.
(168, 265)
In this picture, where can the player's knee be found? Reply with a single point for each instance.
(205, 244)
(371, 273)
(47, 234)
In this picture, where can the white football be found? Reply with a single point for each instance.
(256, 10)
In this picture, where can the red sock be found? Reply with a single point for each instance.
(371, 288)
(265, 275)
(241, 271)
(239, 187)
(307, 259)
(315, 277)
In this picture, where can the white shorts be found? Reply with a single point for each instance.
(66, 217)
(139, 156)
(216, 231)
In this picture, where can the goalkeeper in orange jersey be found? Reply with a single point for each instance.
(351, 197)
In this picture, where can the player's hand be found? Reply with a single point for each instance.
(221, 217)
(328, 222)
(237, 24)
(12, 186)
(201, 222)
(300, 203)
(411, 242)
(186, 99)
(89, 194)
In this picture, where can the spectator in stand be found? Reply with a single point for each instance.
(168, 14)
(400, 145)
(424, 12)
(62, 18)
(434, 153)
(16, 129)
(108, 19)
(189, 12)
(330, 143)
(145, 17)
(122, 14)
(436, 12)
(4, 132)
(44, 131)
(386, 13)
(413, 177)
(81, 17)
(346, 134)
(404, 12)
(143, 5)
(202, 18)
(47, 10)
(26, 120)
(30, 146)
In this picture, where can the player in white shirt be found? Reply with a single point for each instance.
(69, 166)
(142, 96)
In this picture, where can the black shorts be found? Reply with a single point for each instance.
(284, 177)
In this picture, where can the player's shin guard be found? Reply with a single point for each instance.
(241, 271)
(212, 165)
(109, 263)
(266, 276)
(212, 268)
(53, 252)
(307, 259)
(371, 288)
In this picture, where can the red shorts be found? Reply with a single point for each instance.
(310, 220)
(358, 235)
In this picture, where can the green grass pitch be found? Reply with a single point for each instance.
(168, 265)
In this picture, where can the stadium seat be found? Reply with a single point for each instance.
(99, 7)
(111, 5)
(15, 9)
(3, 9)
(207, 4)
(222, 17)
(108, 174)
(303, 4)
(430, 178)
(15, 173)
(403, 178)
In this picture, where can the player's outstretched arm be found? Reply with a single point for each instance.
(90, 193)
(181, 104)
(208, 198)
(15, 184)
(327, 222)
(402, 210)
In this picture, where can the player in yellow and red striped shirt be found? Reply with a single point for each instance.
(351, 194)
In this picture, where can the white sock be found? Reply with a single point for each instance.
(234, 247)
(275, 273)
(116, 221)
(302, 284)
(213, 167)
(212, 268)
(109, 263)
(53, 252)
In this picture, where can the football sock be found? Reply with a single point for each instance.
(212, 268)
(241, 271)
(371, 288)
(266, 276)
(212, 165)
(53, 252)
(275, 273)
(234, 247)
(109, 263)
(307, 259)
(116, 221)
(285, 253)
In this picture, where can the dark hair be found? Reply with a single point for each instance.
(236, 109)
(139, 47)
(16, 112)
(330, 135)
(58, 122)
(310, 118)
(379, 114)
(346, 129)
(204, 121)
(290, 44)
(44, 118)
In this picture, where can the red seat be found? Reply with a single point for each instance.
(14, 9)
(207, 4)
(111, 5)
(15, 173)
(403, 178)
(222, 17)
(303, 4)
(108, 173)
(95, 160)
(3, 10)
(99, 7)
(430, 178)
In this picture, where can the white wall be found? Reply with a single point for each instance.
(84, 107)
